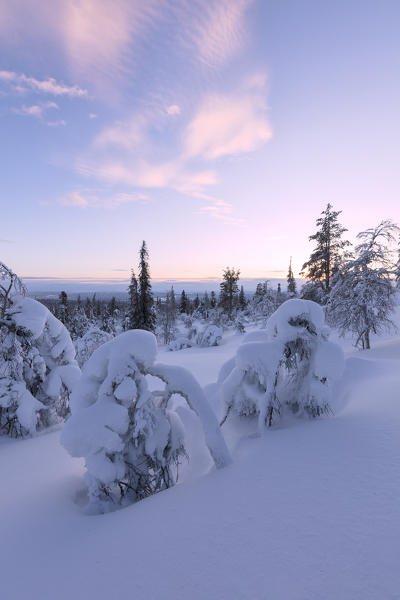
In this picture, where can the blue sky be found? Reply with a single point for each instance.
(215, 130)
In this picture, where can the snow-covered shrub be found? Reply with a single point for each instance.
(88, 343)
(293, 368)
(240, 325)
(131, 440)
(180, 343)
(211, 336)
(37, 368)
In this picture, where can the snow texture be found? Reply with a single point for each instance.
(310, 512)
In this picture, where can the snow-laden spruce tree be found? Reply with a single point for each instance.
(329, 251)
(131, 439)
(229, 290)
(362, 297)
(37, 367)
(292, 368)
(263, 303)
(291, 290)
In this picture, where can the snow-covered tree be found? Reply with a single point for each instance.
(213, 300)
(362, 298)
(263, 302)
(141, 314)
(210, 336)
(183, 306)
(10, 284)
(292, 367)
(329, 251)
(146, 314)
(166, 317)
(131, 439)
(78, 323)
(242, 302)
(89, 342)
(37, 368)
(63, 308)
(133, 307)
(291, 282)
(229, 290)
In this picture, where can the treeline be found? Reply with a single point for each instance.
(354, 284)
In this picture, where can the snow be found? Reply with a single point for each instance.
(308, 511)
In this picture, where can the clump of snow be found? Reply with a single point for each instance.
(37, 368)
(294, 369)
(132, 441)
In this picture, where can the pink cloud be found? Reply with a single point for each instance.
(36, 110)
(174, 109)
(226, 125)
(22, 83)
(92, 200)
(219, 35)
(220, 209)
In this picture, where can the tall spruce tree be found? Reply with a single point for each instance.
(64, 312)
(229, 289)
(183, 305)
(146, 318)
(242, 299)
(133, 310)
(291, 282)
(329, 251)
(213, 300)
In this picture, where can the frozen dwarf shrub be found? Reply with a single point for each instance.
(131, 439)
(88, 343)
(37, 368)
(292, 368)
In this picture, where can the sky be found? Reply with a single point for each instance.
(216, 130)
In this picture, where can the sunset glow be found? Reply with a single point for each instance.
(216, 131)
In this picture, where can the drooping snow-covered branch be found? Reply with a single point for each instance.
(180, 381)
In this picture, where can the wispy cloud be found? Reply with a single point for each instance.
(21, 83)
(174, 109)
(226, 125)
(99, 37)
(60, 123)
(222, 125)
(217, 32)
(84, 199)
(222, 210)
(103, 43)
(35, 110)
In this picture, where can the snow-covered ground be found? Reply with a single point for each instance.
(309, 511)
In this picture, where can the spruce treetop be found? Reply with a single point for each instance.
(329, 251)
